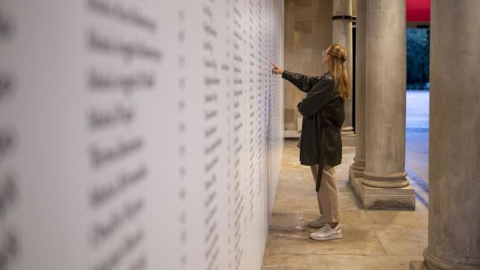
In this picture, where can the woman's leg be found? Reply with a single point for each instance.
(328, 196)
(329, 199)
(314, 169)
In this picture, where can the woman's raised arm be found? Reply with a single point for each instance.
(302, 82)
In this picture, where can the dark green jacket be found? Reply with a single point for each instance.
(323, 115)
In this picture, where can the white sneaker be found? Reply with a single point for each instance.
(327, 233)
(318, 223)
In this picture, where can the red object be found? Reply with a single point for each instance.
(418, 10)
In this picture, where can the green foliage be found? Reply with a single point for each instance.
(418, 56)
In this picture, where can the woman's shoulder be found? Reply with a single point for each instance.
(327, 76)
(325, 79)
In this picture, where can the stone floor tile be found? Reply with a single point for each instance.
(297, 242)
(421, 210)
(343, 186)
(298, 262)
(384, 219)
(341, 262)
(311, 214)
(296, 181)
(288, 167)
(292, 175)
(397, 220)
(286, 219)
(307, 175)
(348, 201)
(403, 242)
(298, 190)
(301, 203)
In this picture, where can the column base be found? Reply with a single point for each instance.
(356, 172)
(352, 174)
(291, 134)
(433, 262)
(417, 265)
(358, 166)
(348, 139)
(382, 198)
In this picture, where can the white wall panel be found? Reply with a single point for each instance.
(138, 134)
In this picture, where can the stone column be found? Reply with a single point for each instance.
(384, 184)
(357, 168)
(454, 218)
(342, 35)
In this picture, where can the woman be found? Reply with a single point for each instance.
(320, 141)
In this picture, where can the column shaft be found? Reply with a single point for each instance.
(342, 35)
(360, 72)
(454, 219)
(386, 86)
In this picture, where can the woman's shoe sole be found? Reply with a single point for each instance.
(333, 237)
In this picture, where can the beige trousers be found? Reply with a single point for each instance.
(327, 196)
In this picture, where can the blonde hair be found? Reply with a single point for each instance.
(337, 67)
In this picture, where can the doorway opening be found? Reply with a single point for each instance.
(418, 103)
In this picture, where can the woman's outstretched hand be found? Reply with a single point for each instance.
(276, 69)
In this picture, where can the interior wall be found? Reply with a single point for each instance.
(308, 30)
(138, 134)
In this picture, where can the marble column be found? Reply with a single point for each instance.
(386, 82)
(384, 184)
(342, 34)
(454, 165)
(357, 168)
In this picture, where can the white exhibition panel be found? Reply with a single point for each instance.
(141, 134)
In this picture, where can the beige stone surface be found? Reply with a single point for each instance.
(385, 219)
(385, 96)
(360, 262)
(289, 115)
(303, 3)
(295, 203)
(403, 242)
(304, 27)
(372, 239)
(286, 263)
(296, 241)
(308, 30)
(454, 170)
(417, 265)
(382, 198)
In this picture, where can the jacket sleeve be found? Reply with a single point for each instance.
(302, 82)
(321, 93)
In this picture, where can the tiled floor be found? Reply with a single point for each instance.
(371, 239)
